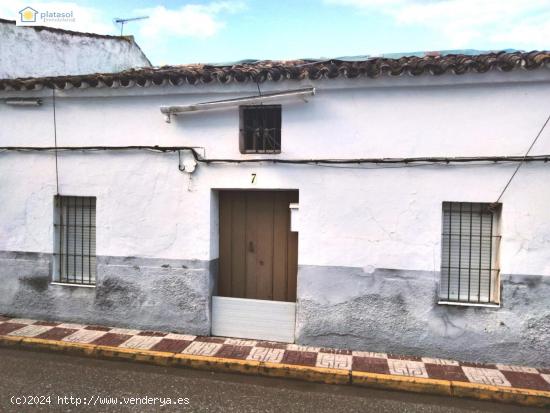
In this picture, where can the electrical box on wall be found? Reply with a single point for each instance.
(294, 217)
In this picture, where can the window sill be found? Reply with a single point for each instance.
(465, 304)
(72, 285)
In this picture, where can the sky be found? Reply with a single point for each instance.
(195, 31)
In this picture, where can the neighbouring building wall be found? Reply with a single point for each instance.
(369, 239)
(35, 52)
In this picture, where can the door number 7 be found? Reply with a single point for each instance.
(253, 178)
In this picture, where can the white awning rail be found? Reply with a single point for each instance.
(168, 111)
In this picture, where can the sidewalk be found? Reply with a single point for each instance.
(498, 382)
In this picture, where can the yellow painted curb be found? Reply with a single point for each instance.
(10, 341)
(526, 397)
(314, 374)
(216, 363)
(75, 348)
(411, 384)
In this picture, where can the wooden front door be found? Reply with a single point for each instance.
(258, 252)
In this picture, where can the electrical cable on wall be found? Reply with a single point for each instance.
(352, 162)
(525, 157)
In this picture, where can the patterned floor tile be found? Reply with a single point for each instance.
(271, 344)
(371, 364)
(234, 352)
(265, 351)
(111, 339)
(177, 336)
(369, 354)
(30, 331)
(440, 362)
(334, 361)
(272, 355)
(401, 357)
(301, 358)
(72, 326)
(407, 368)
(519, 369)
(46, 323)
(84, 336)
(526, 380)
(141, 342)
(478, 365)
(296, 347)
(127, 331)
(97, 328)
(6, 328)
(22, 321)
(239, 342)
(152, 334)
(336, 351)
(202, 348)
(171, 345)
(485, 376)
(445, 372)
(56, 333)
(219, 340)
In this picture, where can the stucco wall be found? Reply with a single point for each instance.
(396, 311)
(172, 295)
(374, 234)
(27, 52)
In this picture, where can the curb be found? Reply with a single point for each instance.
(525, 397)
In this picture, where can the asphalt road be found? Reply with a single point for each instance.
(39, 375)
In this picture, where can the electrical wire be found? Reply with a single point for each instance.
(334, 162)
(522, 161)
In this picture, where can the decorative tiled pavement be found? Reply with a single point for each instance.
(290, 354)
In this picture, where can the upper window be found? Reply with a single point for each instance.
(469, 259)
(260, 130)
(75, 261)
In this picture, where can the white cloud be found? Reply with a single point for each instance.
(191, 20)
(519, 23)
(87, 19)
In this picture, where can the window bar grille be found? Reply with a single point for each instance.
(459, 267)
(90, 237)
(74, 241)
(72, 251)
(450, 251)
(480, 244)
(459, 248)
(82, 246)
(470, 254)
(490, 257)
(261, 129)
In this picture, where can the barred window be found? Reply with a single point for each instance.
(260, 130)
(469, 259)
(75, 233)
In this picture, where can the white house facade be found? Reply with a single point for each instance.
(31, 51)
(376, 221)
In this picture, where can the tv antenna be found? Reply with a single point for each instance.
(121, 21)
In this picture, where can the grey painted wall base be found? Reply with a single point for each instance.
(396, 311)
(141, 293)
(383, 311)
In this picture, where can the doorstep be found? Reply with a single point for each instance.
(497, 382)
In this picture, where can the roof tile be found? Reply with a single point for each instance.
(274, 71)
